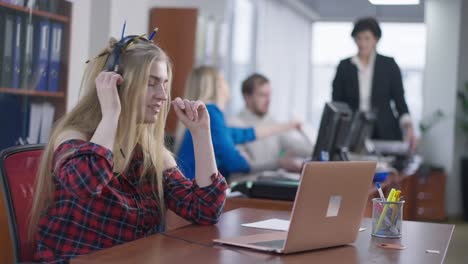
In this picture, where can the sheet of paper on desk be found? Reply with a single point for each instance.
(276, 224)
(273, 224)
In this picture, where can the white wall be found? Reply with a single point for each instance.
(79, 48)
(443, 20)
(136, 13)
(100, 26)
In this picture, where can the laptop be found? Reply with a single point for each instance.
(327, 211)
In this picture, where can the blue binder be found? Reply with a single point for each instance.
(55, 56)
(17, 40)
(10, 114)
(41, 55)
(7, 50)
(2, 33)
(27, 58)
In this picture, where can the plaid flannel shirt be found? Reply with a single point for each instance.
(93, 208)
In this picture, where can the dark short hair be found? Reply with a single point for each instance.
(367, 23)
(253, 81)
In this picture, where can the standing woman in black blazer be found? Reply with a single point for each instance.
(372, 82)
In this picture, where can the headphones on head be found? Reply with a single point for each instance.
(113, 61)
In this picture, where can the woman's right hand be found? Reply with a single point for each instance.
(106, 86)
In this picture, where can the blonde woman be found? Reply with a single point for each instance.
(207, 84)
(106, 177)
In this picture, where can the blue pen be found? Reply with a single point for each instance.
(379, 189)
(324, 156)
(153, 34)
(123, 29)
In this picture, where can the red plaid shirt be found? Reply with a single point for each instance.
(94, 209)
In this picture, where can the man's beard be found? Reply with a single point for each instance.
(259, 112)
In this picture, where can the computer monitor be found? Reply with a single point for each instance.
(361, 129)
(333, 132)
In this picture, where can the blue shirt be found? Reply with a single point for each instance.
(228, 158)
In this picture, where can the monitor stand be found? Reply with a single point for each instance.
(343, 154)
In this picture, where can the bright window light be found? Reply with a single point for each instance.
(394, 2)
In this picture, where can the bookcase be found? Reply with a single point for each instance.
(29, 81)
(34, 48)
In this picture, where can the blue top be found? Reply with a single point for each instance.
(228, 158)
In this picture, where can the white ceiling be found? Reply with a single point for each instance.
(349, 10)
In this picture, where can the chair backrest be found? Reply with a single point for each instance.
(18, 170)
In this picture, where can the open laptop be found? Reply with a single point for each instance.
(327, 210)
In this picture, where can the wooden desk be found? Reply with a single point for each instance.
(417, 237)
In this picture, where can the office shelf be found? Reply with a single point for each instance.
(36, 12)
(26, 92)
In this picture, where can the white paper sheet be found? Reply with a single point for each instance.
(276, 224)
(273, 224)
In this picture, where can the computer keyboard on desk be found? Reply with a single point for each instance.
(279, 175)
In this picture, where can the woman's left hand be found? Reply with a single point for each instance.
(193, 114)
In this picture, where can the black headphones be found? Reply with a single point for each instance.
(113, 61)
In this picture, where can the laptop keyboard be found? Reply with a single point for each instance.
(270, 244)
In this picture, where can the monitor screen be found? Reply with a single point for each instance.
(361, 129)
(333, 131)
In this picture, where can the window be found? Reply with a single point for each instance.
(242, 51)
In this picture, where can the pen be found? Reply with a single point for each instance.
(379, 189)
(384, 211)
(123, 29)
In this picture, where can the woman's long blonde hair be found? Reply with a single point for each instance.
(135, 64)
(204, 84)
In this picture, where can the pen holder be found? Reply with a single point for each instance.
(387, 218)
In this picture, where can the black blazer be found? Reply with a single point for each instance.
(387, 95)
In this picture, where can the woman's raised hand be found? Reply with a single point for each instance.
(193, 114)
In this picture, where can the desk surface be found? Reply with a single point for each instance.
(188, 244)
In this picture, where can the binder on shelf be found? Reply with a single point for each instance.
(53, 6)
(17, 39)
(17, 2)
(7, 50)
(42, 5)
(27, 58)
(31, 4)
(35, 117)
(40, 122)
(2, 33)
(55, 56)
(47, 121)
(25, 109)
(10, 116)
(41, 55)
